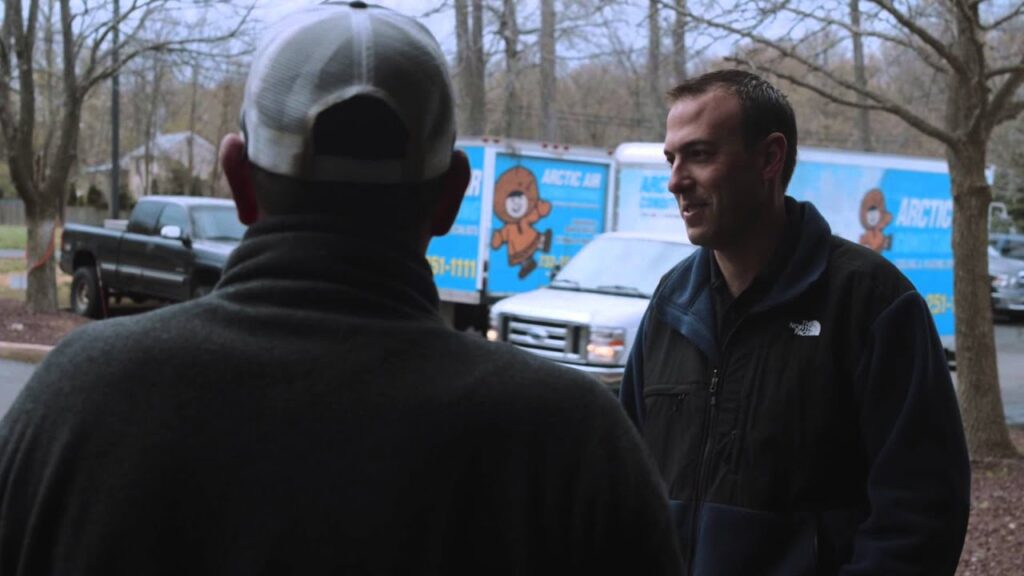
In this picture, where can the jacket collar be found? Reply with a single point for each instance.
(311, 262)
(684, 299)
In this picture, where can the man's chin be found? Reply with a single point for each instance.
(698, 237)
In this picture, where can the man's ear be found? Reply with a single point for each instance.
(453, 187)
(238, 171)
(774, 156)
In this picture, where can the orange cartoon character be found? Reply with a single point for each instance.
(518, 204)
(874, 217)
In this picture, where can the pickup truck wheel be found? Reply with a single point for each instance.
(201, 290)
(85, 293)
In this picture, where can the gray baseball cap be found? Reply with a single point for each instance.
(325, 54)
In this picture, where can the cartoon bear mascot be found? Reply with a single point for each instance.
(874, 218)
(518, 204)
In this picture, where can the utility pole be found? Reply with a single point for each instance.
(115, 121)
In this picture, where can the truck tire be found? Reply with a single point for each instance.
(85, 293)
(201, 290)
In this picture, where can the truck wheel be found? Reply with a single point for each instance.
(201, 290)
(85, 293)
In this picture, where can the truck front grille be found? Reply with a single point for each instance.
(554, 340)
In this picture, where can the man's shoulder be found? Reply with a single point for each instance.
(101, 352)
(502, 375)
(504, 364)
(852, 262)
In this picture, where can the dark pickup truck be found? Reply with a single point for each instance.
(173, 248)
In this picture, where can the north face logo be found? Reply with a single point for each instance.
(806, 328)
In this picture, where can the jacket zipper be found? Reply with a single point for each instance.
(705, 445)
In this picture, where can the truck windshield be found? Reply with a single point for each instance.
(217, 223)
(619, 265)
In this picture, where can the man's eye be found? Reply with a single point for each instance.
(699, 154)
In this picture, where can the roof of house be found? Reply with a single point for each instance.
(161, 145)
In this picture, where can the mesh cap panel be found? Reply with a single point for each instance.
(326, 54)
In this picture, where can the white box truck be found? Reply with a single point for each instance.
(529, 208)
(587, 318)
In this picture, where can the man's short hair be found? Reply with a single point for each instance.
(766, 109)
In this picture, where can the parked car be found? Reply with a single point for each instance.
(1007, 276)
(1008, 245)
(172, 248)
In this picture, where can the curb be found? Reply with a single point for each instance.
(18, 352)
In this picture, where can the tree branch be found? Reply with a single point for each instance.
(888, 105)
(934, 43)
(925, 56)
(164, 46)
(1004, 95)
(910, 118)
(1010, 112)
(1019, 10)
(1003, 70)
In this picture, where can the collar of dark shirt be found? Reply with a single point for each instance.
(728, 310)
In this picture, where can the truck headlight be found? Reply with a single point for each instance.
(606, 345)
(493, 332)
(1000, 280)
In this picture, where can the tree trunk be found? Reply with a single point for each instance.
(977, 378)
(151, 129)
(863, 119)
(549, 123)
(679, 56)
(462, 59)
(509, 31)
(192, 115)
(656, 111)
(477, 96)
(42, 251)
(469, 57)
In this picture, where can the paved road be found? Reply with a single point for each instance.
(1010, 348)
(13, 376)
(5, 253)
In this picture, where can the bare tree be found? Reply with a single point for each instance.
(954, 39)
(654, 92)
(860, 75)
(679, 57)
(471, 65)
(85, 62)
(151, 124)
(549, 122)
(508, 31)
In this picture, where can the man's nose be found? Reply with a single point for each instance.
(680, 180)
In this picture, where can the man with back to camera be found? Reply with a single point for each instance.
(790, 384)
(313, 415)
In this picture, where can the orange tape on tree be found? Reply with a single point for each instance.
(49, 251)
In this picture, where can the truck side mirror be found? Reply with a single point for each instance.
(172, 232)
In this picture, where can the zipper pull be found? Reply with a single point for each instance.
(679, 400)
(713, 389)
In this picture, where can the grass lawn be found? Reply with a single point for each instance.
(12, 237)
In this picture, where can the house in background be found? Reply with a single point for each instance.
(166, 171)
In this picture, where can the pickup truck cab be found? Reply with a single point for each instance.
(587, 318)
(173, 248)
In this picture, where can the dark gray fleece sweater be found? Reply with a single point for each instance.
(314, 416)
